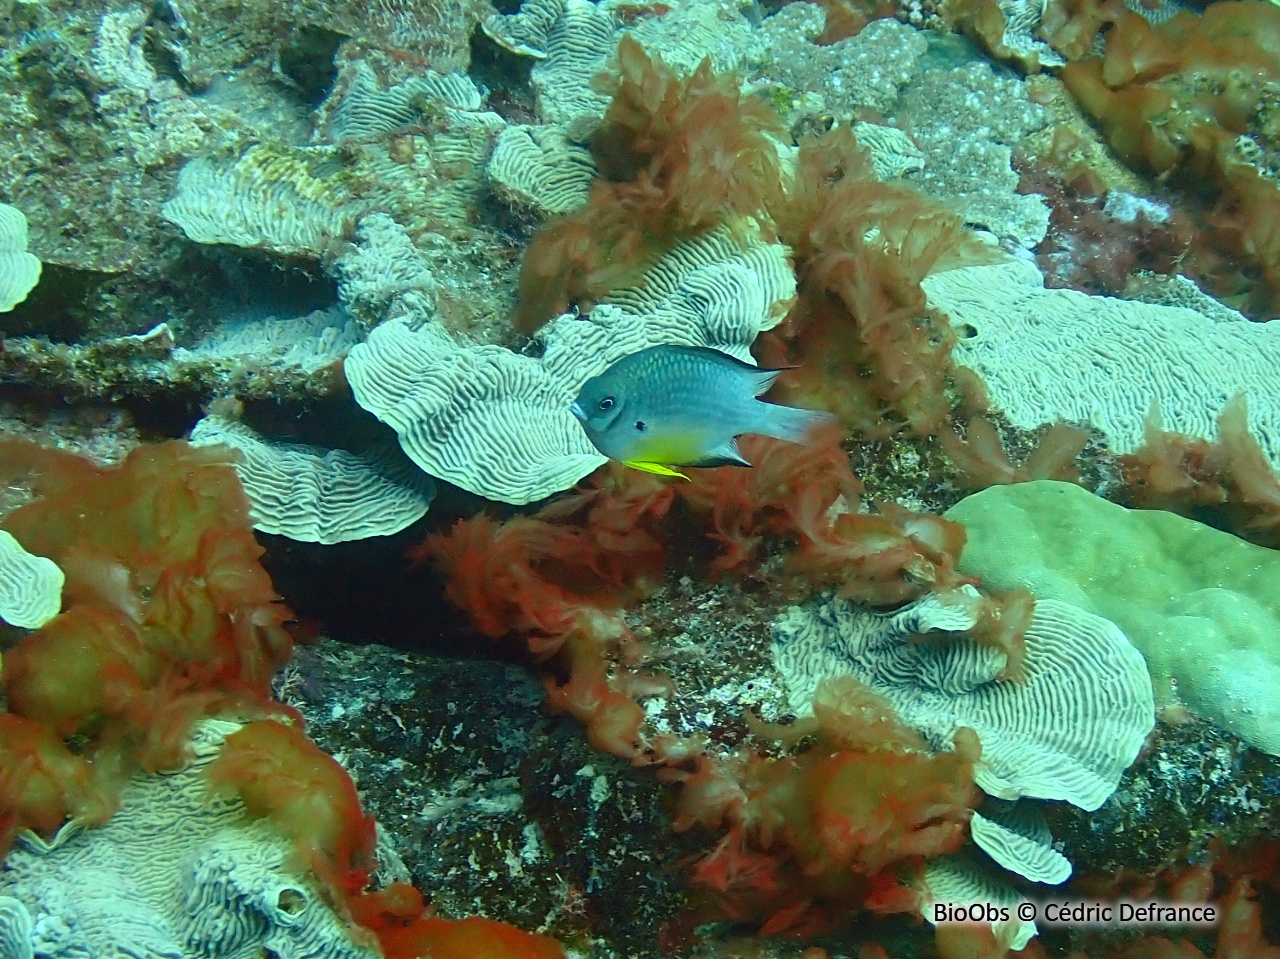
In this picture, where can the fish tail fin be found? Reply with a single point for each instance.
(791, 423)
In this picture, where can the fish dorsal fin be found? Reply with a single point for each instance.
(764, 380)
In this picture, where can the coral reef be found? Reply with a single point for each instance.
(30, 586)
(169, 621)
(1072, 661)
(1121, 355)
(287, 359)
(868, 349)
(977, 177)
(677, 158)
(173, 874)
(163, 593)
(497, 423)
(316, 495)
(783, 711)
(19, 270)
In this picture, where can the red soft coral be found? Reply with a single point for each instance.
(789, 490)
(982, 461)
(1228, 483)
(864, 341)
(284, 777)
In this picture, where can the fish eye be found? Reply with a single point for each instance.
(607, 403)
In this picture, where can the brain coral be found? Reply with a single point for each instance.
(172, 875)
(30, 586)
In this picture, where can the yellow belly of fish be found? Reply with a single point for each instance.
(670, 449)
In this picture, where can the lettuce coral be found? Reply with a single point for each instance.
(174, 875)
(30, 586)
(1047, 355)
(1066, 730)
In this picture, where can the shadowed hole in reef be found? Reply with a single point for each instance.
(57, 306)
(253, 284)
(506, 76)
(307, 60)
(367, 591)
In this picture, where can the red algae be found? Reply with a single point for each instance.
(815, 838)
(677, 157)
(1228, 483)
(284, 777)
(981, 460)
(556, 583)
(167, 617)
(1174, 101)
(861, 336)
(473, 938)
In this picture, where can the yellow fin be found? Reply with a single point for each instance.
(653, 468)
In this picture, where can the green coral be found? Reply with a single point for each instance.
(1202, 605)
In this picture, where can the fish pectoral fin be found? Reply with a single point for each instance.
(726, 454)
(653, 468)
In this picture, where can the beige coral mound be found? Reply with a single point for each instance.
(1048, 355)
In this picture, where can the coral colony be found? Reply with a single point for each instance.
(327, 631)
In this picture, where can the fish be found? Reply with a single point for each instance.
(673, 406)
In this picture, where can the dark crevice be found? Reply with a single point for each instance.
(307, 59)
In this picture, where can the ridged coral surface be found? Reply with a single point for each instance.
(1060, 354)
